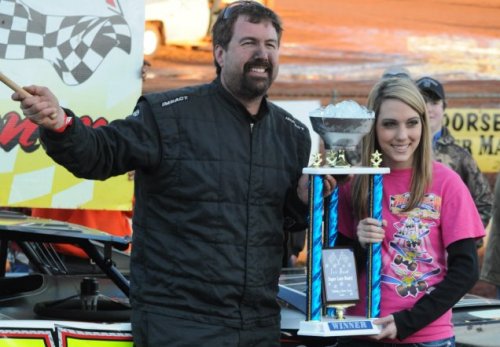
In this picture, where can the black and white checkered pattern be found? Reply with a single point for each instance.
(74, 45)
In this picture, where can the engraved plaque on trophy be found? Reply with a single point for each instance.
(340, 281)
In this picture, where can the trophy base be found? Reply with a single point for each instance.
(351, 326)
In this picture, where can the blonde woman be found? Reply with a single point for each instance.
(428, 229)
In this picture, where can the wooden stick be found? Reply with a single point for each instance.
(13, 85)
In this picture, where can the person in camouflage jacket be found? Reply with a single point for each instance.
(449, 153)
(490, 270)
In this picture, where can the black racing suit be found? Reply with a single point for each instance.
(212, 186)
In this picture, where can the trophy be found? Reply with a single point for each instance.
(332, 284)
(341, 133)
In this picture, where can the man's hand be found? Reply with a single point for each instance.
(329, 184)
(41, 107)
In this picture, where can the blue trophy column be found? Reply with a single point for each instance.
(331, 226)
(374, 266)
(314, 280)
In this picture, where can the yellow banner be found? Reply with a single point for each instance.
(90, 55)
(477, 130)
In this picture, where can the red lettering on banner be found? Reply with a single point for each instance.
(15, 130)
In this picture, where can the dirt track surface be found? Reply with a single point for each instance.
(460, 93)
(334, 50)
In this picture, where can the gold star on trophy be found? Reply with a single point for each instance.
(376, 159)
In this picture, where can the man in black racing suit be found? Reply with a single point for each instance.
(217, 170)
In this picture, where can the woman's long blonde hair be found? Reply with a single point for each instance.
(405, 90)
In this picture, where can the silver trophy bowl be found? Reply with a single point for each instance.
(341, 127)
(341, 133)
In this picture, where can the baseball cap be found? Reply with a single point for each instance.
(428, 84)
(396, 71)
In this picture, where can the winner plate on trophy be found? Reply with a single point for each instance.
(340, 291)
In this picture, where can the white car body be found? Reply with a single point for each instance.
(175, 22)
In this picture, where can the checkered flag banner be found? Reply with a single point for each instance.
(74, 45)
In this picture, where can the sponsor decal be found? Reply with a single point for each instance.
(15, 337)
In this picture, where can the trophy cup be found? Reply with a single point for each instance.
(331, 277)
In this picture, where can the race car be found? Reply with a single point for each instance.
(50, 305)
